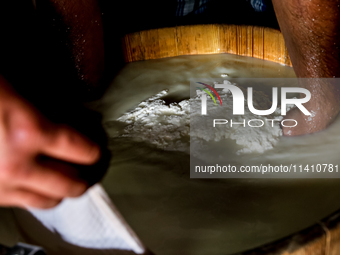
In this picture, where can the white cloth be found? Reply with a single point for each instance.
(90, 221)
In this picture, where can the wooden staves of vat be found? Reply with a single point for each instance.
(323, 238)
(251, 41)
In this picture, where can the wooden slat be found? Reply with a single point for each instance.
(135, 44)
(199, 39)
(150, 44)
(186, 40)
(250, 41)
(242, 40)
(258, 50)
(126, 49)
(271, 42)
(282, 49)
(287, 60)
(167, 42)
(207, 39)
(228, 42)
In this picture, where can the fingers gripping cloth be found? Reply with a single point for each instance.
(90, 221)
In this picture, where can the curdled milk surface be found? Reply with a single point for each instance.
(169, 127)
(174, 214)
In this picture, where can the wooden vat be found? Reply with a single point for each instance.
(323, 238)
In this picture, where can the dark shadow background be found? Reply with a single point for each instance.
(34, 58)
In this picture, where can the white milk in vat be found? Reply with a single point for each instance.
(149, 175)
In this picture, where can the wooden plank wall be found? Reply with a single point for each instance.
(251, 41)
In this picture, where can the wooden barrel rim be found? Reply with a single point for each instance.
(250, 41)
(322, 238)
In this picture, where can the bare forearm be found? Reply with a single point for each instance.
(310, 29)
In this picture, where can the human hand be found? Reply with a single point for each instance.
(37, 156)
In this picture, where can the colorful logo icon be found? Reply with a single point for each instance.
(213, 90)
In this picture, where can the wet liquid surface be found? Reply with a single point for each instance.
(174, 214)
